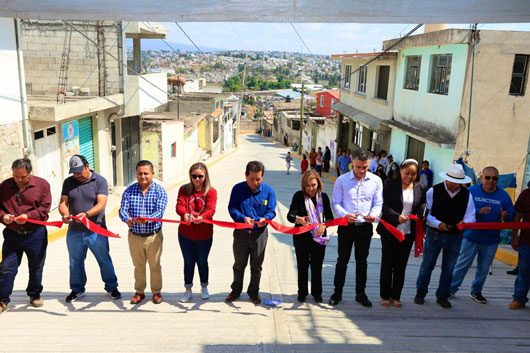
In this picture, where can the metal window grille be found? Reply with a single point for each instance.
(440, 74)
(519, 73)
(412, 78)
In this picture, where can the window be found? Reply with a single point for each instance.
(440, 74)
(321, 100)
(295, 124)
(520, 68)
(361, 82)
(412, 75)
(347, 76)
(375, 142)
(357, 134)
(173, 150)
(331, 111)
(383, 73)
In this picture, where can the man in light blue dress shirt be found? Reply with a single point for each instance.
(358, 196)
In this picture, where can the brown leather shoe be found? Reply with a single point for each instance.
(3, 307)
(515, 305)
(36, 301)
(157, 298)
(255, 299)
(231, 298)
(137, 298)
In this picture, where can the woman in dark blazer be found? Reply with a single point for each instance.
(401, 197)
(310, 205)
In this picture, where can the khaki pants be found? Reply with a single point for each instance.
(146, 249)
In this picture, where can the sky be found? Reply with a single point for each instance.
(320, 38)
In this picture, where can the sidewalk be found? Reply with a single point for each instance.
(96, 323)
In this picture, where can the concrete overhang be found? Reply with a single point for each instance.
(446, 36)
(368, 120)
(145, 30)
(392, 55)
(46, 108)
(424, 136)
(339, 11)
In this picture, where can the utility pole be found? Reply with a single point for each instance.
(301, 121)
(474, 35)
(240, 107)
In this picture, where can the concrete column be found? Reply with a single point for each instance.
(119, 153)
(104, 144)
(137, 55)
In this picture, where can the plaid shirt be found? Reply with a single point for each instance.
(151, 205)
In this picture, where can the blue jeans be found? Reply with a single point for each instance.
(468, 251)
(522, 283)
(195, 252)
(78, 243)
(34, 246)
(435, 242)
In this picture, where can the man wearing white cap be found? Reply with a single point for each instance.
(449, 205)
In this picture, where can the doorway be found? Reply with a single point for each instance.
(48, 156)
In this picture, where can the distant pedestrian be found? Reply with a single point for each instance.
(384, 160)
(388, 167)
(286, 139)
(304, 164)
(358, 196)
(310, 205)
(394, 171)
(196, 201)
(521, 243)
(337, 166)
(288, 160)
(23, 196)
(426, 175)
(252, 202)
(313, 158)
(374, 163)
(343, 163)
(85, 194)
(326, 158)
(380, 172)
(147, 199)
(319, 164)
(449, 204)
(401, 198)
(493, 205)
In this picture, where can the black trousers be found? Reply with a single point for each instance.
(361, 236)
(394, 259)
(248, 245)
(309, 253)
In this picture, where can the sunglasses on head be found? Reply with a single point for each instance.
(197, 176)
(494, 178)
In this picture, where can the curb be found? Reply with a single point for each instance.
(507, 256)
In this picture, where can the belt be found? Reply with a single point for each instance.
(252, 231)
(451, 232)
(147, 234)
(358, 224)
(25, 232)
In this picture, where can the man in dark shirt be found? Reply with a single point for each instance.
(24, 196)
(85, 194)
(251, 202)
(521, 243)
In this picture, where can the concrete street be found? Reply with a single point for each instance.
(96, 323)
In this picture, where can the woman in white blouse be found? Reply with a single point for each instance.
(401, 197)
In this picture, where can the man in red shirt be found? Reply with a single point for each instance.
(304, 164)
(24, 196)
(521, 243)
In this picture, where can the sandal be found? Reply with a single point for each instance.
(385, 303)
(397, 304)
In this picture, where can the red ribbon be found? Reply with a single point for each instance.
(420, 234)
(494, 225)
(57, 224)
(393, 230)
(86, 222)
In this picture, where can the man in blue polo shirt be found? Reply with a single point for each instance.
(85, 194)
(344, 163)
(492, 204)
(251, 202)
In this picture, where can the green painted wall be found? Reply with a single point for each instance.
(430, 109)
(439, 158)
(398, 145)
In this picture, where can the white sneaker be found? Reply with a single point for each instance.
(186, 297)
(204, 293)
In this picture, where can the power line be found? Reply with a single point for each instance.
(191, 40)
(301, 39)
(112, 56)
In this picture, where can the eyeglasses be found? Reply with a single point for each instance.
(18, 195)
(494, 178)
(197, 176)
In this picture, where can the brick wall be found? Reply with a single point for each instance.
(43, 43)
(12, 146)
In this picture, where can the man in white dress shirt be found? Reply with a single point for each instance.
(449, 205)
(357, 195)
